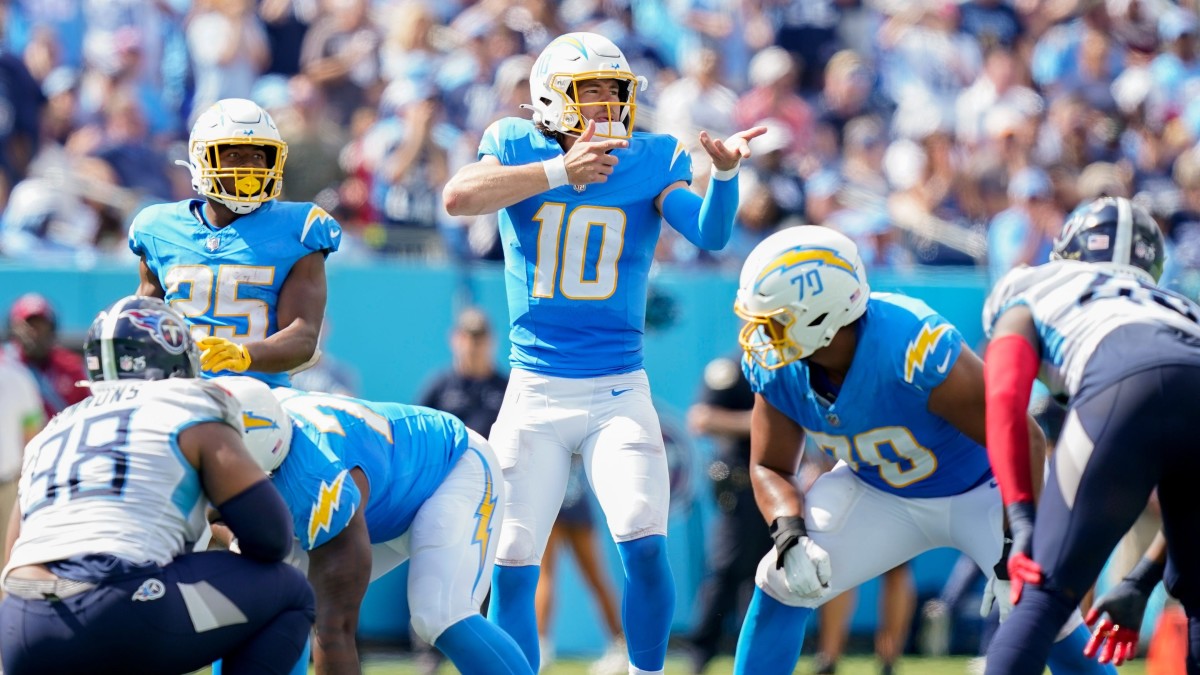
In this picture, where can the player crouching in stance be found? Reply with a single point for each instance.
(1125, 355)
(370, 485)
(889, 390)
(112, 492)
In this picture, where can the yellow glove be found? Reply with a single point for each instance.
(221, 354)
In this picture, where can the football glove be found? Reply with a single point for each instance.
(220, 354)
(1021, 567)
(998, 588)
(805, 565)
(1115, 638)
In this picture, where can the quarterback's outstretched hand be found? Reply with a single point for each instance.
(588, 161)
(221, 354)
(728, 153)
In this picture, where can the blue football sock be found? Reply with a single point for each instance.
(512, 607)
(1066, 656)
(480, 648)
(649, 602)
(771, 637)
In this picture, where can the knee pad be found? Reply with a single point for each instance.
(516, 545)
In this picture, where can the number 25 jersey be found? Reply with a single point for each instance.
(880, 424)
(577, 261)
(226, 281)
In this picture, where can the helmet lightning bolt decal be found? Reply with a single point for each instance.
(483, 524)
(920, 349)
(327, 503)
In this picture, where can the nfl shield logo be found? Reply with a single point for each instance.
(212, 244)
(832, 418)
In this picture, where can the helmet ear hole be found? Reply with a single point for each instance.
(819, 320)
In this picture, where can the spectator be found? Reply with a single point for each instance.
(738, 538)
(472, 390)
(229, 50)
(773, 75)
(33, 340)
(21, 417)
(1024, 233)
(340, 56)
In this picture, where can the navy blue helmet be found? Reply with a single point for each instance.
(140, 338)
(1113, 230)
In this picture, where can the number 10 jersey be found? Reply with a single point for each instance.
(577, 261)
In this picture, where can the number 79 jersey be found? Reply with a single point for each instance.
(1076, 305)
(577, 262)
(880, 424)
(226, 281)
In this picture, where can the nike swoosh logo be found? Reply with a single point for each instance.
(945, 364)
(618, 392)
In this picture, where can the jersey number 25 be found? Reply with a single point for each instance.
(220, 300)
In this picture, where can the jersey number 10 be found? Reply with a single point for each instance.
(575, 282)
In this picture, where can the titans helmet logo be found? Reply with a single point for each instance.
(164, 329)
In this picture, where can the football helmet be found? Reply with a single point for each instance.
(139, 338)
(267, 429)
(798, 287)
(565, 63)
(1115, 232)
(235, 121)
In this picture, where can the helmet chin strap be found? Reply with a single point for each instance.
(616, 129)
(239, 207)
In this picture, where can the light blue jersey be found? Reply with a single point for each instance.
(226, 281)
(880, 424)
(405, 451)
(577, 261)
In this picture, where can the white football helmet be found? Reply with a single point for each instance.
(798, 287)
(569, 60)
(267, 429)
(235, 121)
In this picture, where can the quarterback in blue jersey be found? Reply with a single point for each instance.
(581, 199)
(370, 485)
(245, 270)
(886, 387)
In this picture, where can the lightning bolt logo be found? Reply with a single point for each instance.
(802, 255)
(314, 214)
(327, 503)
(920, 349)
(251, 421)
(483, 523)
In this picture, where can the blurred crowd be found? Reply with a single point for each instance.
(933, 132)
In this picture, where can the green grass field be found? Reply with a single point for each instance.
(856, 665)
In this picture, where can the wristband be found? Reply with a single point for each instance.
(556, 171)
(786, 531)
(1146, 575)
(726, 174)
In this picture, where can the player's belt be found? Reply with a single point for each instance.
(45, 589)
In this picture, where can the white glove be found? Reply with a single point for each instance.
(806, 569)
(996, 591)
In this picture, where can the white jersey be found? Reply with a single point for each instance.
(107, 476)
(1075, 305)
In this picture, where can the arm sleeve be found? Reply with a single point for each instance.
(260, 521)
(707, 222)
(1009, 370)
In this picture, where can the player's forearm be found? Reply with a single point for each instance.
(286, 350)
(776, 494)
(707, 222)
(480, 188)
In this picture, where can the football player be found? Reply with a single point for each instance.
(582, 197)
(1124, 355)
(245, 270)
(370, 485)
(887, 389)
(100, 578)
